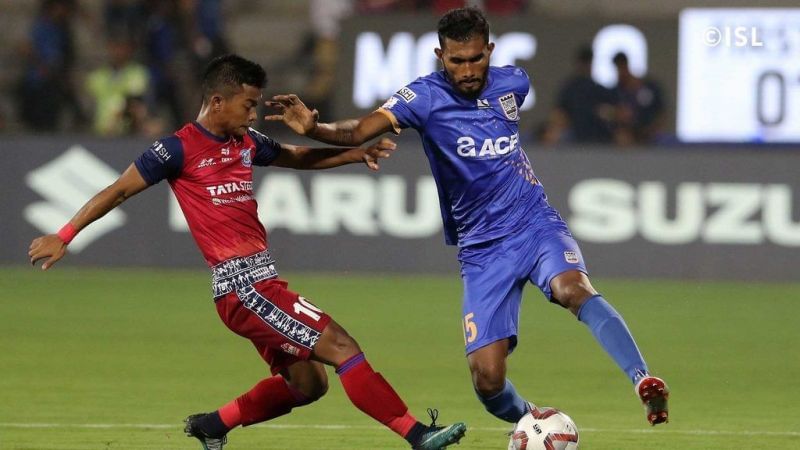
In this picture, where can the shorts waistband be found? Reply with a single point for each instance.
(236, 273)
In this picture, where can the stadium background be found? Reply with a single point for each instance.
(694, 239)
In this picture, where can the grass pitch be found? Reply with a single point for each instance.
(114, 359)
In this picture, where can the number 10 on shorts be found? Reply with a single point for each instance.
(303, 306)
(470, 329)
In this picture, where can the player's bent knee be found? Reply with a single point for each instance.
(573, 297)
(335, 346)
(488, 367)
(488, 387)
(572, 289)
(341, 341)
(488, 380)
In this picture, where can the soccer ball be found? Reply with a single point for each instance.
(544, 429)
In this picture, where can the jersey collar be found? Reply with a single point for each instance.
(208, 133)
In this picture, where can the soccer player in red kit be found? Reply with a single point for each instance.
(208, 164)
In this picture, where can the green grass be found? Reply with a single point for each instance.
(114, 359)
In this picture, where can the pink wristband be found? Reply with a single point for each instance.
(67, 233)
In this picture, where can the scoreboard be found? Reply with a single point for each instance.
(739, 75)
(728, 74)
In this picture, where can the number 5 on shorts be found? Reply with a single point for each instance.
(470, 329)
(303, 306)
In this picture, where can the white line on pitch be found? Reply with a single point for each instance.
(364, 427)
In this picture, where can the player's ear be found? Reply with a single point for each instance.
(439, 52)
(216, 102)
(490, 47)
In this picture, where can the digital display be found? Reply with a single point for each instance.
(739, 75)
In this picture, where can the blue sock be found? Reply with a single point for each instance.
(611, 332)
(506, 405)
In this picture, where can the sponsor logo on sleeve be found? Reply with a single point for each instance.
(571, 257)
(407, 94)
(509, 105)
(160, 151)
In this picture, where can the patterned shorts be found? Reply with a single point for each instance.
(283, 326)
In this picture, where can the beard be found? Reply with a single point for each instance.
(471, 90)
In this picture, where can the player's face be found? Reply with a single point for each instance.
(239, 111)
(466, 63)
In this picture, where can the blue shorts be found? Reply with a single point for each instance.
(495, 272)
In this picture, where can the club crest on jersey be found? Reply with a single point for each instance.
(509, 105)
(407, 94)
(247, 161)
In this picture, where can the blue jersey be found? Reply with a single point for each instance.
(486, 185)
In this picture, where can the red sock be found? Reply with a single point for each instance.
(268, 399)
(230, 414)
(373, 395)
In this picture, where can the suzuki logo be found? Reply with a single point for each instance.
(66, 183)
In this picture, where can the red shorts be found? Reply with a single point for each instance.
(282, 325)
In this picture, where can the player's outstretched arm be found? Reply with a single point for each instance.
(309, 158)
(54, 246)
(296, 115)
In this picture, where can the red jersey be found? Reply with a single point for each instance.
(212, 178)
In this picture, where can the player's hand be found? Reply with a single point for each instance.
(383, 149)
(294, 113)
(49, 246)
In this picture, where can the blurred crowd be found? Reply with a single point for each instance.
(154, 52)
(138, 89)
(586, 112)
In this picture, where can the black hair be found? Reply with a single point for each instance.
(620, 58)
(227, 73)
(463, 24)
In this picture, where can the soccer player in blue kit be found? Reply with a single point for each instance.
(493, 207)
